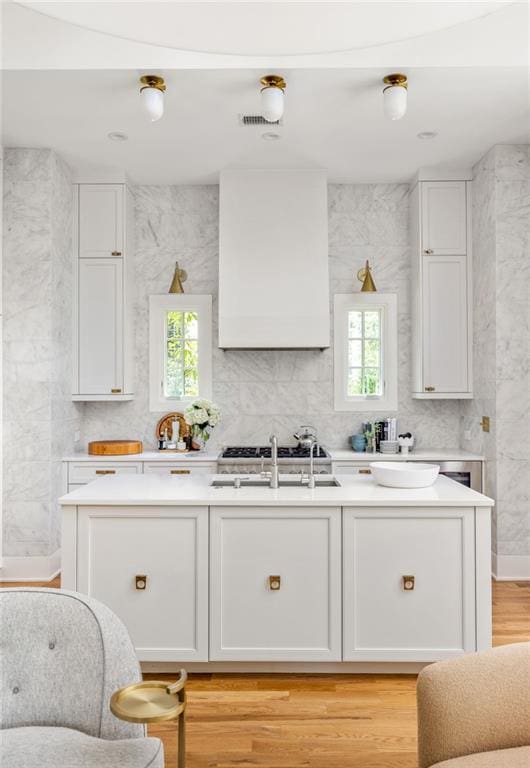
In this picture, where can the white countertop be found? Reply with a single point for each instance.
(425, 454)
(193, 456)
(162, 490)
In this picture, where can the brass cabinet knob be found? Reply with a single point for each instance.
(115, 391)
(140, 581)
(408, 583)
(428, 251)
(179, 471)
(105, 471)
(430, 389)
(275, 583)
(116, 253)
(365, 472)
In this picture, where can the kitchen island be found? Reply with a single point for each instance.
(349, 578)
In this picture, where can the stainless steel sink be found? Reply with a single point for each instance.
(320, 482)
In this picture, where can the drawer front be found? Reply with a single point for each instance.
(409, 590)
(339, 468)
(179, 469)
(85, 471)
(150, 566)
(275, 584)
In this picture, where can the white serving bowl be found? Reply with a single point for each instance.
(404, 474)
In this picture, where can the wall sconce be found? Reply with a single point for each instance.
(364, 275)
(179, 276)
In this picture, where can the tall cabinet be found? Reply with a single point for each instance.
(441, 289)
(103, 329)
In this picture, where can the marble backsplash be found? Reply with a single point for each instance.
(261, 392)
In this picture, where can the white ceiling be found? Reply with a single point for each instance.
(333, 119)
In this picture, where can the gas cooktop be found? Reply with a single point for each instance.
(256, 453)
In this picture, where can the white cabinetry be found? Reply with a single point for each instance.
(103, 332)
(178, 470)
(409, 584)
(275, 584)
(168, 548)
(441, 290)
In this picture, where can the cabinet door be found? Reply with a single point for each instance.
(444, 217)
(344, 468)
(275, 584)
(168, 620)
(100, 355)
(101, 220)
(179, 469)
(445, 324)
(385, 621)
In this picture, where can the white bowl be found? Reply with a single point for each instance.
(404, 474)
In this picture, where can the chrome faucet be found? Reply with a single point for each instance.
(274, 482)
(311, 480)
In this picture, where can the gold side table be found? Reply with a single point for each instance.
(154, 701)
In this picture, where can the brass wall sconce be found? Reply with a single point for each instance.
(180, 276)
(364, 275)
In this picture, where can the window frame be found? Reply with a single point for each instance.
(351, 302)
(158, 308)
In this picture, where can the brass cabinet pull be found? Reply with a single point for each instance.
(105, 471)
(428, 251)
(408, 583)
(365, 472)
(140, 581)
(430, 389)
(116, 253)
(115, 391)
(275, 583)
(179, 471)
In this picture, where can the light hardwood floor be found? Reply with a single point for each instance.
(320, 721)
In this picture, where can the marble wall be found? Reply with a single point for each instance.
(501, 274)
(39, 417)
(264, 391)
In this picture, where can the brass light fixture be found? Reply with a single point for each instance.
(180, 276)
(272, 97)
(395, 96)
(365, 277)
(152, 95)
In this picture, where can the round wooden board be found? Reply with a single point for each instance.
(166, 422)
(115, 447)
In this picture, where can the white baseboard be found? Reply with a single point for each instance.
(43, 568)
(510, 567)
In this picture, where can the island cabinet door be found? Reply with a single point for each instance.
(409, 584)
(150, 566)
(275, 586)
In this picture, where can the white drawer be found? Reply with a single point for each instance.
(177, 468)
(340, 468)
(86, 471)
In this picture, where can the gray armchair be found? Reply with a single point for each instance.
(62, 655)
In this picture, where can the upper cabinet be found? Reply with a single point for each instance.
(103, 331)
(101, 224)
(441, 290)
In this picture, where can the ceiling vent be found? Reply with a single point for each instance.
(257, 120)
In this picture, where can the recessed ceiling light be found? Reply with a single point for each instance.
(270, 136)
(426, 135)
(117, 136)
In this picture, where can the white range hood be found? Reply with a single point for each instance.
(273, 260)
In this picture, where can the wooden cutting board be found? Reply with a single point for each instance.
(115, 447)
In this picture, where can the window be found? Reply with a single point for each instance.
(180, 350)
(365, 352)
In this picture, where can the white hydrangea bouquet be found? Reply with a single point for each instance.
(202, 415)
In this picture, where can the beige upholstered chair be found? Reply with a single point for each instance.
(474, 711)
(62, 655)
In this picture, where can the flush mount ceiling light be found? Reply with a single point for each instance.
(272, 97)
(395, 96)
(117, 136)
(426, 135)
(152, 95)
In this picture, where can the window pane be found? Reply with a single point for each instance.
(355, 382)
(191, 383)
(372, 324)
(355, 353)
(371, 384)
(191, 327)
(372, 350)
(174, 325)
(355, 324)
